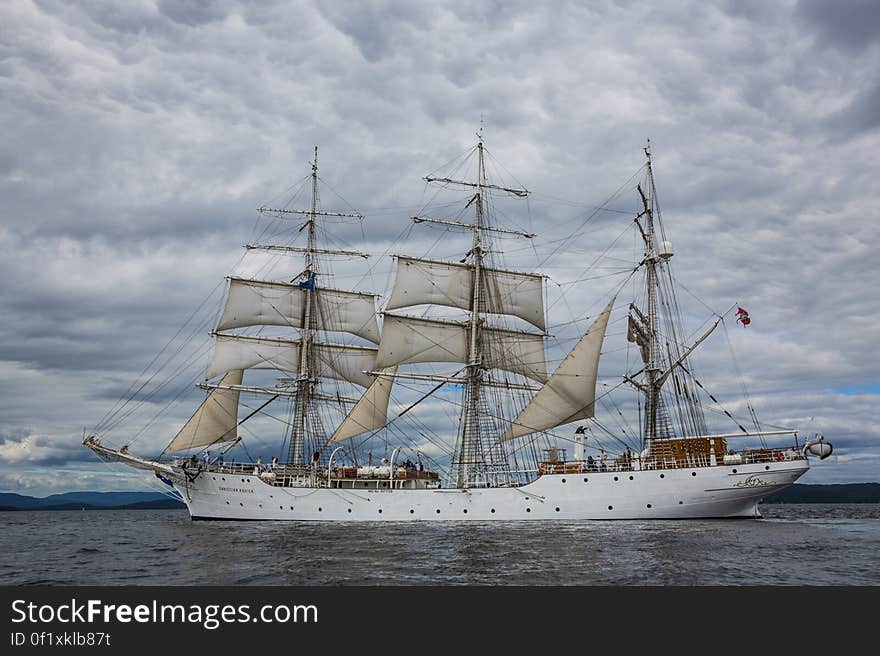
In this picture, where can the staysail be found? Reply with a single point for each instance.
(216, 420)
(370, 412)
(570, 394)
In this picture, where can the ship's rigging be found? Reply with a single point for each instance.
(509, 405)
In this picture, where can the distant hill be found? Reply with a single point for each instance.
(89, 501)
(843, 493)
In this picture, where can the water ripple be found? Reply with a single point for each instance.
(793, 546)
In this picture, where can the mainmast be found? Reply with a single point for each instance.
(469, 453)
(478, 288)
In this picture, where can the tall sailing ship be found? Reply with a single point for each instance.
(516, 420)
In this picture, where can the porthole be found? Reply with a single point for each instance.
(261, 505)
(243, 481)
(227, 503)
(464, 511)
(662, 475)
(222, 479)
(766, 466)
(586, 479)
(493, 510)
(411, 511)
(610, 507)
(557, 509)
(380, 511)
(438, 511)
(319, 509)
(693, 473)
(280, 507)
(291, 507)
(615, 478)
(734, 471)
(680, 503)
(649, 505)
(349, 510)
(563, 480)
(213, 478)
(528, 510)
(241, 504)
(630, 478)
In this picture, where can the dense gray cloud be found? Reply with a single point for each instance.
(850, 26)
(139, 137)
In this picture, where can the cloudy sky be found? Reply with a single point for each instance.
(138, 138)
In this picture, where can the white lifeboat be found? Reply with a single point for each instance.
(818, 447)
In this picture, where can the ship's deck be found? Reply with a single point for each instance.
(673, 454)
(678, 453)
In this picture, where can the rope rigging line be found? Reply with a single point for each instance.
(752, 414)
(131, 392)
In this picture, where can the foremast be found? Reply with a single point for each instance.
(306, 381)
(304, 305)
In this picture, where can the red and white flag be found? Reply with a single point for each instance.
(743, 317)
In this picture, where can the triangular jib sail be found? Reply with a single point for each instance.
(215, 421)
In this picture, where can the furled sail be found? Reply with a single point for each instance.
(450, 284)
(635, 333)
(255, 302)
(370, 412)
(331, 360)
(215, 421)
(570, 394)
(408, 340)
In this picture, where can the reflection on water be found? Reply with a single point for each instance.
(793, 545)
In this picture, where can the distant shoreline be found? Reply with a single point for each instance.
(91, 501)
(797, 493)
(169, 504)
(840, 493)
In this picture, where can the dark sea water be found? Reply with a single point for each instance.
(794, 545)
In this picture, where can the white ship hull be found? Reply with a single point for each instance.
(685, 493)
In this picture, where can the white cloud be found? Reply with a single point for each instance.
(142, 135)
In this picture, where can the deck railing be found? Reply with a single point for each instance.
(622, 463)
